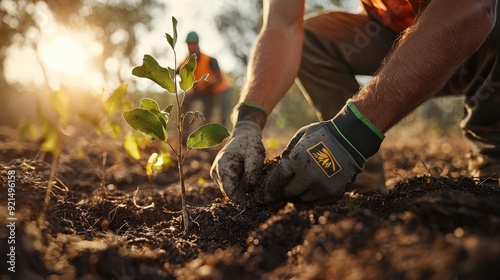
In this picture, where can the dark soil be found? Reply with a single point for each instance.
(434, 223)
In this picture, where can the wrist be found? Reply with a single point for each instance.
(356, 132)
(247, 111)
(247, 125)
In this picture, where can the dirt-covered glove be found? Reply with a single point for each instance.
(323, 158)
(239, 164)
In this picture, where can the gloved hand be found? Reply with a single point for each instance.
(239, 164)
(323, 158)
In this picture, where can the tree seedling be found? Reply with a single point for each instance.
(106, 122)
(152, 121)
(52, 137)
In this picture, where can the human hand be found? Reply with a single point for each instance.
(315, 167)
(323, 158)
(240, 162)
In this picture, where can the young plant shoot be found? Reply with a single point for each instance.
(152, 121)
(53, 138)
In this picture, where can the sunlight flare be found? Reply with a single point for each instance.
(64, 55)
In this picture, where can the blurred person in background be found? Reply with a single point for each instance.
(216, 91)
(413, 49)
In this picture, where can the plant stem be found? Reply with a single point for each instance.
(185, 213)
(53, 169)
(180, 161)
(103, 172)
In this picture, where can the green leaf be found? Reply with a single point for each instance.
(170, 40)
(158, 162)
(152, 106)
(27, 131)
(196, 115)
(203, 78)
(146, 122)
(60, 103)
(148, 104)
(186, 73)
(50, 139)
(112, 129)
(172, 73)
(191, 64)
(174, 26)
(152, 70)
(207, 135)
(168, 110)
(131, 146)
(151, 164)
(117, 100)
(49, 132)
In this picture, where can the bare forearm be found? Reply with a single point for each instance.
(426, 57)
(275, 59)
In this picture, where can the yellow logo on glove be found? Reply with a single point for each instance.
(324, 158)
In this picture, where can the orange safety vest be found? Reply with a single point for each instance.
(397, 15)
(202, 68)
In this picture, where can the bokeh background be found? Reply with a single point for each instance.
(87, 49)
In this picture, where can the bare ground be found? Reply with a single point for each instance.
(434, 223)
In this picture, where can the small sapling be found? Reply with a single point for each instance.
(152, 121)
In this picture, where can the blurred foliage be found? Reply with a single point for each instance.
(158, 162)
(53, 123)
(437, 117)
(292, 113)
(115, 25)
(134, 143)
(107, 121)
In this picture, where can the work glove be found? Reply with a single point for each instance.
(238, 166)
(323, 158)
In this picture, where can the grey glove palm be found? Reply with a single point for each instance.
(240, 162)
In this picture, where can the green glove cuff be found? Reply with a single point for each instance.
(365, 120)
(253, 105)
(356, 133)
(248, 111)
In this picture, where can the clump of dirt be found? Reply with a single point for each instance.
(434, 223)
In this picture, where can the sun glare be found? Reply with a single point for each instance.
(64, 55)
